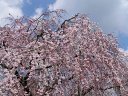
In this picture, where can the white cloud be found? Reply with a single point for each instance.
(38, 12)
(124, 53)
(12, 7)
(112, 15)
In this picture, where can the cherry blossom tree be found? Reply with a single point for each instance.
(50, 56)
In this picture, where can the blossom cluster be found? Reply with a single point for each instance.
(49, 56)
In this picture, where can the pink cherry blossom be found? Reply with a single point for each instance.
(49, 56)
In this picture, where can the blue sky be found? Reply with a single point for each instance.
(30, 6)
(111, 15)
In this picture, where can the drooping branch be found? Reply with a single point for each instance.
(65, 21)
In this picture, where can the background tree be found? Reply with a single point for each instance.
(49, 56)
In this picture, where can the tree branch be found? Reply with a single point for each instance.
(63, 24)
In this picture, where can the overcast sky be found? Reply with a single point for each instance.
(111, 15)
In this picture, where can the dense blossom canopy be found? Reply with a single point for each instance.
(49, 56)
